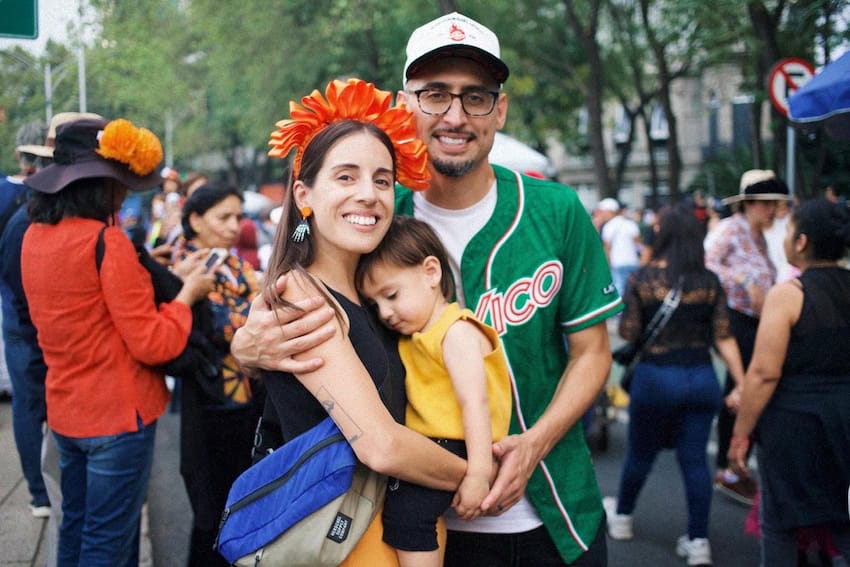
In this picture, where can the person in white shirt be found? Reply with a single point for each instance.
(621, 236)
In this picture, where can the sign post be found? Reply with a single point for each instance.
(20, 19)
(785, 78)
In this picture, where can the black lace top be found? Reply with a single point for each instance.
(700, 318)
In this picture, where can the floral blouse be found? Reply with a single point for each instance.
(236, 285)
(739, 257)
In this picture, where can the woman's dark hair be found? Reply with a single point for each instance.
(826, 226)
(679, 241)
(286, 254)
(407, 243)
(203, 199)
(90, 198)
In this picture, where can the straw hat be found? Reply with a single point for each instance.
(760, 185)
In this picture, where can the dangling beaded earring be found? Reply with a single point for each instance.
(303, 229)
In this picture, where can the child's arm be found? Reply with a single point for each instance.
(464, 348)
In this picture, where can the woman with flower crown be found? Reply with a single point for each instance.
(101, 333)
(351, 148)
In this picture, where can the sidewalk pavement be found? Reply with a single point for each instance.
(23, 539)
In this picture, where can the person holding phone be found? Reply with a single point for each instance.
(217, 432)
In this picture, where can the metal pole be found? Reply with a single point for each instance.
(169, 138)
(81, 76)
(48, 91)
(790, 149)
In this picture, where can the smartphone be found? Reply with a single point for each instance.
(215, 258)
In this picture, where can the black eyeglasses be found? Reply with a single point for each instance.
(475, 103)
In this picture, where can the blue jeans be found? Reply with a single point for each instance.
(27, 371)
(620, 275)
(671, 407)
(104, 484)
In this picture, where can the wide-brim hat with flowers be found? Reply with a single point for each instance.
(760, 185)
(92, 148)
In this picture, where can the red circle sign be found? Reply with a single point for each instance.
(785, 78)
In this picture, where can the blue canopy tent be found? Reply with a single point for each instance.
(824, 101)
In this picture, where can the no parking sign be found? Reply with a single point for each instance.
(785, 78)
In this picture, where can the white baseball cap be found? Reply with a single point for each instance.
(608, 204)
(454, 35)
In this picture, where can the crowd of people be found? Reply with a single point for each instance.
(465, 305)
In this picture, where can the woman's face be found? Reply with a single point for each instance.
(352, 197)
(218, 227)
(761, 212)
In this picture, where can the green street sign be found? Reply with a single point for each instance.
(19, 18)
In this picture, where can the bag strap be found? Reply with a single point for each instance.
(99, 249)
(658, 321)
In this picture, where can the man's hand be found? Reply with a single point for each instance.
(270, 339)
(516, 463)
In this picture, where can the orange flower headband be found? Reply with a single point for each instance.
(139, 148)
(354, 100)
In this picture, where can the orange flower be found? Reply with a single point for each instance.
(354, 100)
(139, 148)
(148, 153)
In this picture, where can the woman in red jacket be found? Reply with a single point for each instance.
(102, 335)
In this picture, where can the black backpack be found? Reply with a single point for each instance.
(199, 361)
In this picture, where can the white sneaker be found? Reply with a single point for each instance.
(40, 511)
(697, 551)
(620, 526)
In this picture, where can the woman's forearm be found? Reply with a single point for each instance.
(402, 453)
(756, 394)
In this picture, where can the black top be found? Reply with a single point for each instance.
(700, 318)
(291, 409)
(820, 340)
(804, 432)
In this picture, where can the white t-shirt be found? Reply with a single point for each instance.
(620, 235)
(775, 237)
(455, 229)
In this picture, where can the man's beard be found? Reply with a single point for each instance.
(451, 168)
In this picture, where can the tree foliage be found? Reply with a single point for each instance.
(212, 78)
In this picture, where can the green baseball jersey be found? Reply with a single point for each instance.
(536, 271)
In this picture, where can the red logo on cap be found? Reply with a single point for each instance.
(456, 34)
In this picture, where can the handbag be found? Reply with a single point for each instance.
(630, 354)
(308, 503)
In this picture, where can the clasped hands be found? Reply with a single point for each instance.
(271, 340)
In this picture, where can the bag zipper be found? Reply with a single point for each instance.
(275, 484)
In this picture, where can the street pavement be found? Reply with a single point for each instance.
(23, 539)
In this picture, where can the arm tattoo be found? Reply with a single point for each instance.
(343, 420)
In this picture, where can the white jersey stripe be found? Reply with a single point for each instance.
(513, 225)
(592, 314)
(517, 406)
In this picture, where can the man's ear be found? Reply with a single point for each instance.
(501, 110)
(433, 271)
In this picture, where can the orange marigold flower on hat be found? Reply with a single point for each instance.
(138, 148)
(358, 100)
(148, 153)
